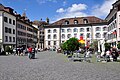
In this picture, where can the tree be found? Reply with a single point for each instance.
(64, 46)
(72, 44)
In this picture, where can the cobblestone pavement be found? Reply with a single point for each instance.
(53, 66)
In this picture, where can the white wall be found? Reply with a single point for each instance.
(10, 26)
(101, 31)
(92, 33)
(1, 25)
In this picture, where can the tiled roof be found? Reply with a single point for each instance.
(90, 19)
(7, 9)
(36, 22)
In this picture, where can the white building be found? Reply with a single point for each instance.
(113, 19)
(7, 27)
(89, 27)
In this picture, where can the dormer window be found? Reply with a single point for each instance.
(85, 21)
(75, 21)
(66, 22)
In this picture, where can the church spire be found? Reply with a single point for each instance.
(47, 20)
(24, 13)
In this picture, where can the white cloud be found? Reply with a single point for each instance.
(61, 10)
(102, 10)
(77, 7)
(77, 10)
(74, 11)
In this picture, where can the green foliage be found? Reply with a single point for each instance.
(107, 46)
(7, 49)
(118, 45)
(72, 44)
(64, 46)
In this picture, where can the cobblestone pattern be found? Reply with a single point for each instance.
(53, 66)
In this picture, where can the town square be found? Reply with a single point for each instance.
(60, 40)
(49, 65)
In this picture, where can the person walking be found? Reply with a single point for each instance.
(30, 52)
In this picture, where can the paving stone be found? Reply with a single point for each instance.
(49, 65)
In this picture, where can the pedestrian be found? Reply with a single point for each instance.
(107, 56)
(114, 54)
(33, 53)
(30, 52)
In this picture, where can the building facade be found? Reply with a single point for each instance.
(7, 27)
(26, 33)
(113, 19)
(40, 34)
(90, 28)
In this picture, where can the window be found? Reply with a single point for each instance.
(81, 29)
(10, 20)
(68, 30)
(104, 28)
(69, 35)
(9, 30)
(88, 29)
(75, 21)
(81, 34)
(75, 30)
(49, 37)
(97, 28)
(10, 39)
(75, 35)
(48, 42)
(85, 21)
(66, 22)
(13, 22)
(13, 31)
(13, 39)
(104, 35)
(63, 36)
(98, 35)
(5, 19)
(49, 31)
(63, 30)
(6, 30)
(6, 38)
(18, 25)
(54, 36)
(88, 35)
(54, 31)
(54, 42)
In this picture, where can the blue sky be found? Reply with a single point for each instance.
(58, 9)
